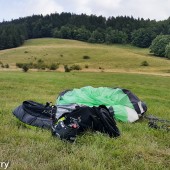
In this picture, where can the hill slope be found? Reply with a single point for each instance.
(108, 57)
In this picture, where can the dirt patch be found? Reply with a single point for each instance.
(61, 69)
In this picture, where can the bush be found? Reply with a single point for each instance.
(39, 65)
(75, 67)
(86, 66)
(6, 66)
(19, 65)
(159, 44)
(144, 63)
(54, 66)
(30, 65)
(2, 65)
(167, 51)
(40, 61)
(66, 68)
(86, 57)
(25, 68)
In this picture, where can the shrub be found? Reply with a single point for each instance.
(86, 66)
(40, 66)
(25, 68)
(6, 66)
(144, 63)
(66, 68)
(2, 65)
(86, 57)
(19, 65)
(159, 44)
(40, 61)
(54, 66)
(75, 67)
(167, 51)
(31, 65)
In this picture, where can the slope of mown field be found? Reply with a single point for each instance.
(108, 58)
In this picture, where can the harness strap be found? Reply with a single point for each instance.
(157, 123)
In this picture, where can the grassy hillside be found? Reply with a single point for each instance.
(139, 147)
(109, 57)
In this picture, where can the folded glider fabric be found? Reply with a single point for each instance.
(125, 105)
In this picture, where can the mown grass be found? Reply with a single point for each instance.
(139, 147)
(108, 57)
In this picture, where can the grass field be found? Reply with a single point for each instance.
(108, 57)
(139, 147)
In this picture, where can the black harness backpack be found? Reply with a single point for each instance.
(70, 124)
(83, 118)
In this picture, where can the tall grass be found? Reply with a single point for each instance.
(138, 147)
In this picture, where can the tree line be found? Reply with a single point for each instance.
(88, 28)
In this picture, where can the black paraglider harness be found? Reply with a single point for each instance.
(70, 124)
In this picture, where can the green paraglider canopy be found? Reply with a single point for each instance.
(125, 105)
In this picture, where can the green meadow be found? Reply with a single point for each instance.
(108, 57)
(138, 147)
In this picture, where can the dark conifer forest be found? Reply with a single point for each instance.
(88, 28)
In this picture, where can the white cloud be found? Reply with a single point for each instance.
(105, 4)
(80, 6)
(21, 8)
(98, 7)
(153, 9)
(104, 7)
(43, 7)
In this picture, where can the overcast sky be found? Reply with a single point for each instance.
(152, 9)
